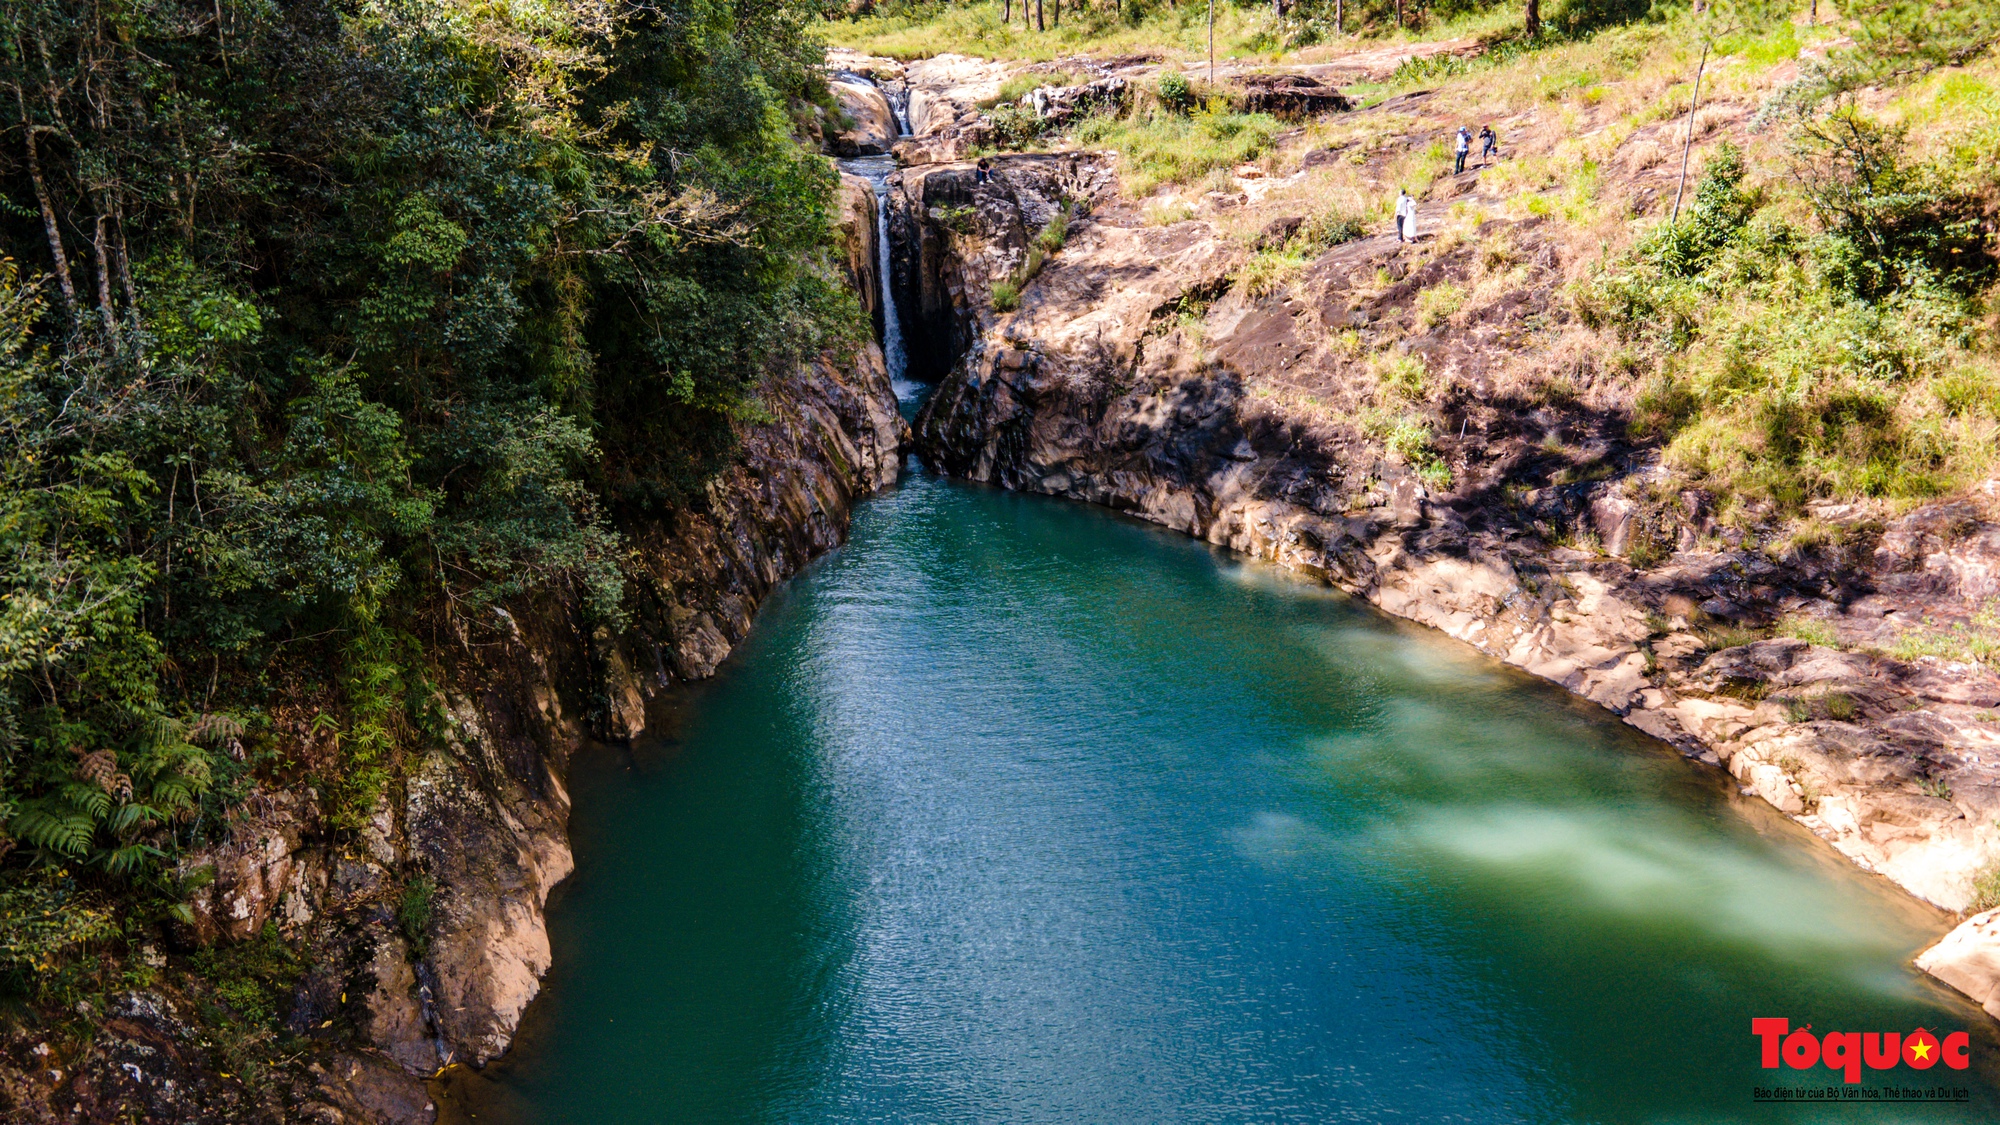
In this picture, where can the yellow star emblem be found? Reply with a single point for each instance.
(1921, 1050)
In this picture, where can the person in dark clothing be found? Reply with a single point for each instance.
(1489, 143)
(982, 171)
(1463, 147)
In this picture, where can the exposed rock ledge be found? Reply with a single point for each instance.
(1134, 375)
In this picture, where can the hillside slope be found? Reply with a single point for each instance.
(1730, 476)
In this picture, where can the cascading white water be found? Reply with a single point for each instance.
(899, 106)
(876, 170)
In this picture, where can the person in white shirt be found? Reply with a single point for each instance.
(1406, 217)
(1464, 148)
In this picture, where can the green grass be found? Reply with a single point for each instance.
(1793, 359)
(1056, 233)
(1408, 439)
(919, 31)
(1439, 303)
(1978, 642)
(1810, 631)
(1271, 271)
(1157, 147)
(1402, 375)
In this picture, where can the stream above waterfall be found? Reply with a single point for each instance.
(1014, 809)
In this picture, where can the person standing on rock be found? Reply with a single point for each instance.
(1464, 149)
(1406, 217)
(1489, 143)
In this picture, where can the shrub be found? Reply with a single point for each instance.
(42, 919)
(413, 912)
(1006, 297)
(1721, 209)
(1328, 229)
(960, 220)
(255, 978)
(1175, 93)
(1890, 223)
(1015, 126)
(1934, 787)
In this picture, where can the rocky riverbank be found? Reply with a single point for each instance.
(422, 936)
(1145, 371)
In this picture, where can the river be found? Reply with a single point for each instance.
(1016, 810)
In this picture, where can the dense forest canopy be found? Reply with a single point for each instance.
(323, 325)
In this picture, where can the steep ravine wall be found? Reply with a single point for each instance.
(1134, 375)
(483, 817)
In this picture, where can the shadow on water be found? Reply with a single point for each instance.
(1017, 810)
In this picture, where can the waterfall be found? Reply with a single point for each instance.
(899, 107)
(876, 170)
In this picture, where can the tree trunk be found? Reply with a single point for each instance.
(124, 260)
(1339, 17)
(103, 279)
(1006, 12)
(1534, 18)
(1057, 20)
(1039, 25)
(49, 227)
(1687, 146)
(1399, 13)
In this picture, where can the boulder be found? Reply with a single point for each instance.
(1060, 104)
(874, 129)
(1278, 232)
(943, 87)
(859, 252)
(253, 867)
(1968, 959)
(1290, 95)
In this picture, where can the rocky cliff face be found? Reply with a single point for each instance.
(1142, 373)
(422, 933)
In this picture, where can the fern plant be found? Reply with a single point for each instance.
(104, 816)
